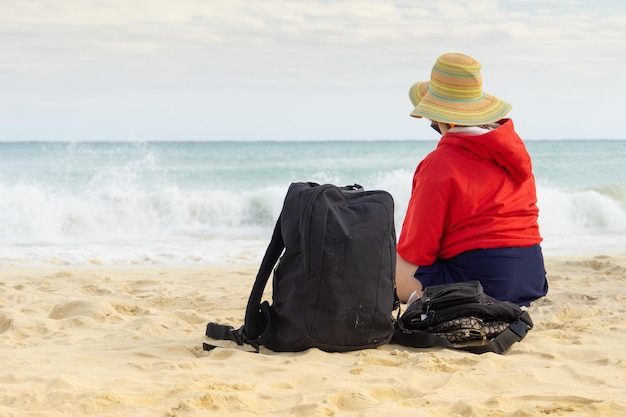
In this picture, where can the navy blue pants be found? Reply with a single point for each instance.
(508, 274)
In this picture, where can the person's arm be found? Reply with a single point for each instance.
(423, 224)
(406, 282)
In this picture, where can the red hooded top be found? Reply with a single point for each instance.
(471, 192)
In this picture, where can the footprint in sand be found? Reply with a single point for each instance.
(352, 401)
(559, 405)
(94, 309)
(5, 323)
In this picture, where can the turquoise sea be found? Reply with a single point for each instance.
(216, 202)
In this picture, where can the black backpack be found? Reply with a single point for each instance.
(334, 285)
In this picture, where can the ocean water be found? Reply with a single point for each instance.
(207, 203)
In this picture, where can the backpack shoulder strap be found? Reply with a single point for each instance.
(257, 325)
(256, 321)
(499, 344)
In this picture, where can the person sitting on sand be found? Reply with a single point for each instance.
(472, 214)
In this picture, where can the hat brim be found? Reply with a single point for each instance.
(487, 109)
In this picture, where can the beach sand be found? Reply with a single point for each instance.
(113, 341)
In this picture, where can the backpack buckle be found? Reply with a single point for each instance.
(520, 328)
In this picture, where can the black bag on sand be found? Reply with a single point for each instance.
(334, 285)
(460, 315)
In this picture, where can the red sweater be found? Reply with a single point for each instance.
(471, 192)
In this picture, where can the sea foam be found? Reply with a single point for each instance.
(216, 203)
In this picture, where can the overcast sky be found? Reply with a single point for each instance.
(299, 70)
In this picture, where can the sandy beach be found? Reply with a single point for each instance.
(127, 341)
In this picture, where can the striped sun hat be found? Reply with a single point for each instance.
(455, 95)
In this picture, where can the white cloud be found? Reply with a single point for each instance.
(142, 62)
